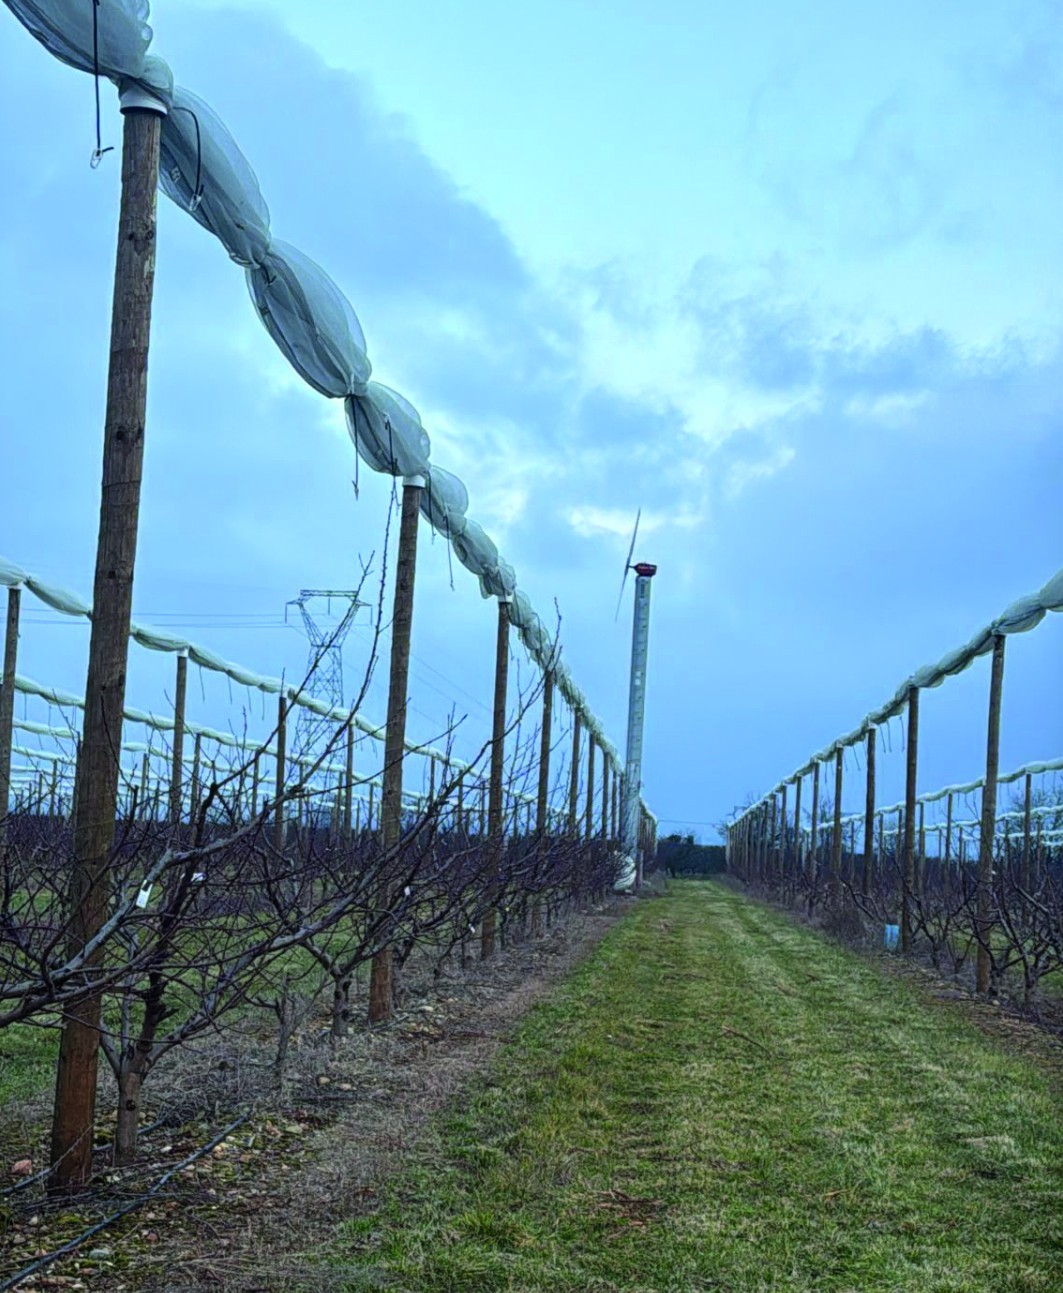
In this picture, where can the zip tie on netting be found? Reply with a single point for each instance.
(98, 152)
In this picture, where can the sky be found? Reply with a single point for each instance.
(786, 279)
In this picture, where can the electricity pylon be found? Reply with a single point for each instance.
(324, 668)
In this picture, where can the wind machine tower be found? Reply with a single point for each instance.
(630, 795)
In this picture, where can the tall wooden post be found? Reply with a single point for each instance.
(1026, 871)
(573, 784)
(784, 838)
(145, 764)
(545, 738)
(869, 813)
(7, 711)
(96, 787)
(256, 774)
(280, 809)
(605, 796)
(773, 851)
(948, 831)
(797, 829)
(380, 988)
(921, 853)
(813, 860)
(615, 807)
(589, 827)
(495, 839)
(197, 753)
(542, 806)
(989, 817)
(908, 886)
(836, 834)
(348, 783)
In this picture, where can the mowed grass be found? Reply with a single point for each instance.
(721, 1100)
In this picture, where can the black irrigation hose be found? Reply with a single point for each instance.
(166, 1119)
(13, 1280)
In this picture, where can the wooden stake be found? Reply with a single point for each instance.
(989, 816)
(197, 749)
(1026, 872)
(589, 827)
(605, 796)
(145, 763)
(797, 828)
(348, 783)
(545, 740)
(495, 841)
(573, 783)
(948, 831)
(97, 780)
(836, 833)
(7, 713)
(256, 773)
(813, 860)
(869, 813)
(380, 986)
(910, 791)
(280, 809)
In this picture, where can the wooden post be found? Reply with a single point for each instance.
(573, 784)
(348, 783)
(813, 861)
(989, 816)
(54, 795)
(7, 711)
(784, 838)
(279, 808)
(145, 763)
(542, 807)
(380, 977)
(461, 802)
(869, 813)
(948, 831)
(773, 851)
(1026, 871)
(836, 834)
(495, 838)
(616, 801)
(589, 828)
(605, 796)
(545, 739)
(256, 773)
(921, 855)
(908, 879)
(197, 749)
(797, 829)
(97, 781)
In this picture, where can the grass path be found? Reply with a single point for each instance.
(719, 1100)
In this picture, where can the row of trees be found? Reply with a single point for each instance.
(202, 918)
(1011, 920)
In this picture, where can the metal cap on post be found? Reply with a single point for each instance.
(135, 97)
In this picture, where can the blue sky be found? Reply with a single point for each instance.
(785, 278)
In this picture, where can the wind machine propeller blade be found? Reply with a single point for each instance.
(627, 565)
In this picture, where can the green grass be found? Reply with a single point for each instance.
(719, 1099)
(27, 1063)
